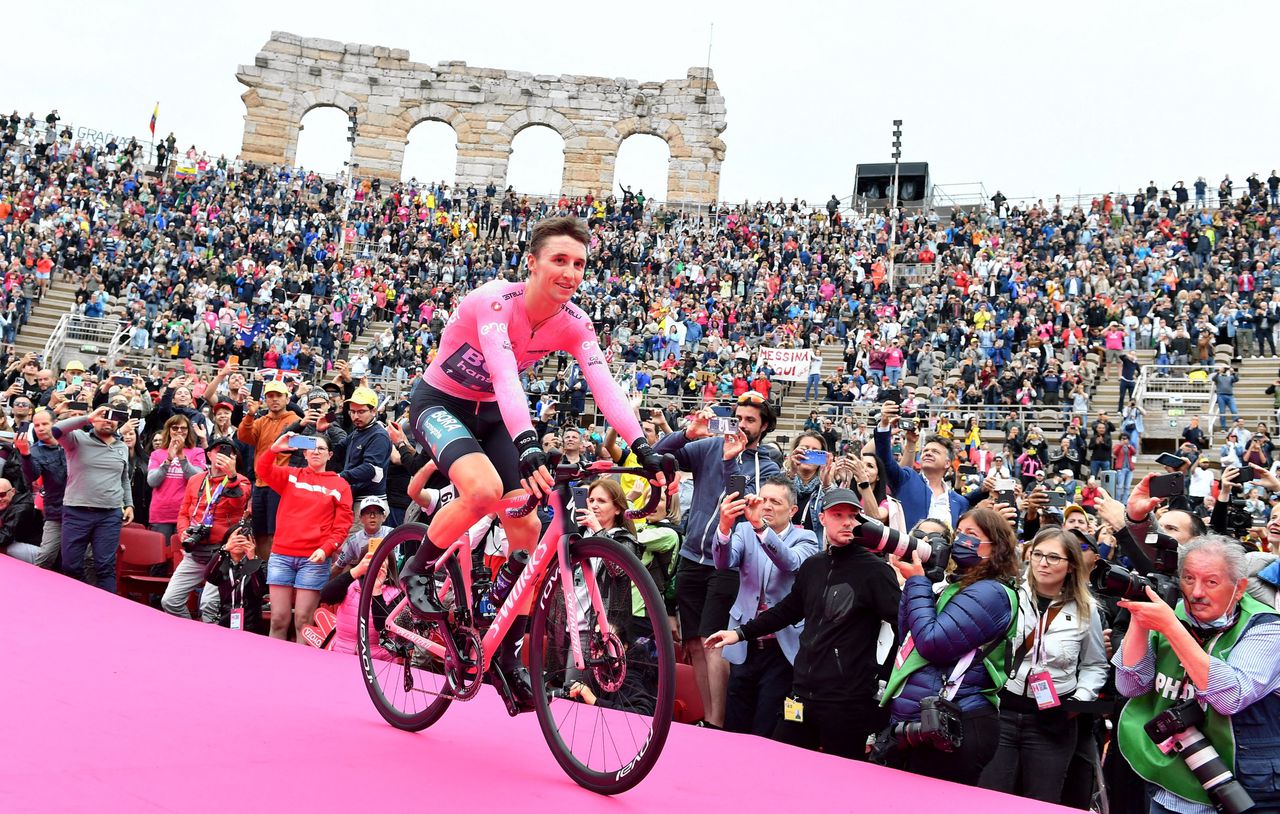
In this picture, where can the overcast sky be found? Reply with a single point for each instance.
(1030, 98)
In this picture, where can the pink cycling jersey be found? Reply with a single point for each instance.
(488, 341)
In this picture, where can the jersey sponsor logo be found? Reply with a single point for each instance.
(466, 367)
(499, 327)
(594, 359)
(511, 295)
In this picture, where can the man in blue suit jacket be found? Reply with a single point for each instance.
(924, 493)
(756, 536)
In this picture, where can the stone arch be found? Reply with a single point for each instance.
(325, 97)
(439, 112)
(544, 116)
(485, 107)
(664, 129)
(309, 101)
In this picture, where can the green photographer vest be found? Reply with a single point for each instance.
(1171, 687)
(994, 658)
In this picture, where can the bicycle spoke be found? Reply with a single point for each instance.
(628, 669)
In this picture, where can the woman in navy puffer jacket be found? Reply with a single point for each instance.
(975, 613)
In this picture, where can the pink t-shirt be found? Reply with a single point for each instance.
(166, 499)
(488, 341)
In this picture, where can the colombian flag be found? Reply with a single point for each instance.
(154, 113)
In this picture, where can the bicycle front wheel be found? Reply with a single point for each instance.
(406, 682)
(606, 722)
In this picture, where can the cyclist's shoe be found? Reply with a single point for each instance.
(420, 588)
(516, 688)
(520, 683)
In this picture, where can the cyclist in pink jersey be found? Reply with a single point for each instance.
(472, 414)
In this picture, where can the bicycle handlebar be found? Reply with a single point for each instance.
(565, 473)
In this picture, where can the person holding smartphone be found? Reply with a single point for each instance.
(98, 499)
(315, 515)
(261, 429)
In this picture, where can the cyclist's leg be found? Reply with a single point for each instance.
(460, 458)
(522, 532)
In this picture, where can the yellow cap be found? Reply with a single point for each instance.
(365, 396)
(275, 387)
(75, 364)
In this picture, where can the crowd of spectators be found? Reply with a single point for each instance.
(242, 286)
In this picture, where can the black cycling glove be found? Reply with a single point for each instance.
(646, 457)
(532, 458)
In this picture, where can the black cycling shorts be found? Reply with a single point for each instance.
(448, 427)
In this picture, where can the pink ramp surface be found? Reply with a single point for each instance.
(110, 706)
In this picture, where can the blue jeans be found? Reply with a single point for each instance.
(894, 373)
(812, 385)
(1096, 467)
(1124, 482)
(99, 528)
(1226, 401)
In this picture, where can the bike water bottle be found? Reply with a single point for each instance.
(507, 576)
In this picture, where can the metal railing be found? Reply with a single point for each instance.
(52, 354)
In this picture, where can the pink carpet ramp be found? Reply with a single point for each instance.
(110, 706)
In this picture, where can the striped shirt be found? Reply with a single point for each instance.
(1250, 672)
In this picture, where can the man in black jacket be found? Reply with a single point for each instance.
(842, 595)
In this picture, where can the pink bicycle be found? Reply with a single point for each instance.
(600, 652)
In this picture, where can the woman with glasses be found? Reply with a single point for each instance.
(176, 460)
(1060, 656)
(952, 656)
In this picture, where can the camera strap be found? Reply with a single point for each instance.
(952, 685)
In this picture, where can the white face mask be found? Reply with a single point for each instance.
(1223, 622)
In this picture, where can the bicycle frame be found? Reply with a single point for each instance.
(554, 544)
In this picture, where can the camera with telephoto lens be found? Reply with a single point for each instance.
(940, 726)
(1176, 731)
(1118, 582)
(923, 547)
(195, 534)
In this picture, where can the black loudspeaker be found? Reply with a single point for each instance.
(875, 182)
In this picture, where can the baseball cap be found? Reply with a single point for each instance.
(1084, 538)
(840, 497)
(372, 502)
(223, 405)
(226, 445)
(275, 387)
(317, 394)
(331, 387)
(1072, 508)
(75, 364)
(365, 396)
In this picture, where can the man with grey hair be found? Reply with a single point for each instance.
(1218, 651)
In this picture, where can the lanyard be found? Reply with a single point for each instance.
(210, 499)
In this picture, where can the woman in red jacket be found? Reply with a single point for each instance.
(312, 522)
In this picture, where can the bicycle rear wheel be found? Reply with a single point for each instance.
(407, 684)
(606, 724)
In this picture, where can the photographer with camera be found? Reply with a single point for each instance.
(842, 595)
(955, 654)
(213, 503)
(1060, 658)
(767, 550)
(1203, 723)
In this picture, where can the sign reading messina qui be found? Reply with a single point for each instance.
(787, 364)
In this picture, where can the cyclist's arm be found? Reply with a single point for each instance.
(607, 392)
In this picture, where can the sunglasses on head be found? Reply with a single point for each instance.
(751, 397)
